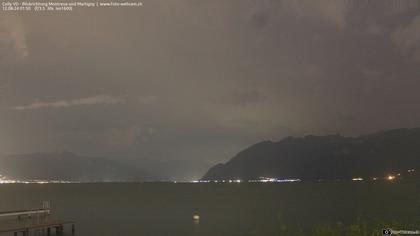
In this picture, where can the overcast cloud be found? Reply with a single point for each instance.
(198, 81)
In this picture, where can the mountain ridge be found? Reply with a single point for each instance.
(67, 166)
(325, 157)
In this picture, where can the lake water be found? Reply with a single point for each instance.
(164, 209)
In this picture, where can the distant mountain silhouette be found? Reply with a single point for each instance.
(325, 157)
(67, 166)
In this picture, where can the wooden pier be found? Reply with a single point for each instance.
(27, 222)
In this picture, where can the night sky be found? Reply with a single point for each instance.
(194, 82)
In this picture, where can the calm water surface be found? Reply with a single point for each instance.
(163, 209)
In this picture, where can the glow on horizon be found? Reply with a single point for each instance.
(5, 180)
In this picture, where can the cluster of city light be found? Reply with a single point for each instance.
(196, 181)
(260, 180)
(273, 180)
(8, 181)
(215, 181)
(390, 177)
(5, 180)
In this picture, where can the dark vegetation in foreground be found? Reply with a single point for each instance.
(360, 227)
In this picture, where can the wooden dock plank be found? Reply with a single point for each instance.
(21, 225)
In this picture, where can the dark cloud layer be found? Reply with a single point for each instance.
(198, 81)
